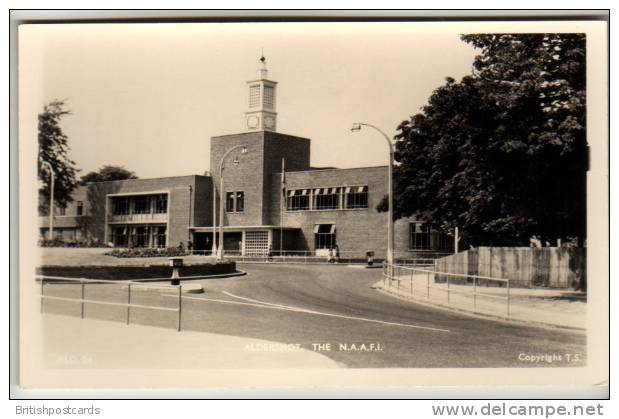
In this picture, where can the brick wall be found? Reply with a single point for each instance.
(93, 195)
(357, 230)
(247, 176)
(253, 173)
(295, 151)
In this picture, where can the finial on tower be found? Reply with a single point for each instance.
(262, 72)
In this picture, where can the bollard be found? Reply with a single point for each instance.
(176, 263)
(370, 258)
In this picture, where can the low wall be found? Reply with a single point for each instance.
(556, 267)
(120, 273)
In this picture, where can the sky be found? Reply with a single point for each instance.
(149, 96)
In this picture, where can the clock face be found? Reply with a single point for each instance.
(269, 122)
(252, 121)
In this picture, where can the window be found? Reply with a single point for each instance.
(356, 197)
(324, 236)
(269, 97)
(240, 202)
(139, 237)
(235, 201)
(230, 201)
(120, 206)
(80, 208)
(120, 236)
(159, 236)
(298, 200)
(254, 96)
(419, 236)
(61, 211)
(422, 237)
(161, 203)
(326, 198)
(141, 204)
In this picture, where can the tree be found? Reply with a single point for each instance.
(107, 173)
(54, 149)
(502, 154)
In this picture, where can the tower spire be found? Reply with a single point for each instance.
(261, 114)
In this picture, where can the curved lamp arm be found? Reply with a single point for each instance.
(223, 158)
(357, 127)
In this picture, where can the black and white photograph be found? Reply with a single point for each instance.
(294, 205)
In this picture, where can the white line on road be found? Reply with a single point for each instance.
(263, 304)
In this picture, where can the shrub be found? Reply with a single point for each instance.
(60, 242)
(146, 252)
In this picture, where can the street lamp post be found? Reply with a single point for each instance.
(51, 199)
(220, 248)
(390, 236)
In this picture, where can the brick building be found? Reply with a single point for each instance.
(273, 200)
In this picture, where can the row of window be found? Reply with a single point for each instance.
(344, 197)
(421, 237)
(348, 197)
(140, 204)
(139, 236)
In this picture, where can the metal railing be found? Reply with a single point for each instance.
(310, 256)
(44, 279)
(455, 284)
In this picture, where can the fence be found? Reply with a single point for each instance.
(454, 289)
(309, 256)
(130, 285)
(555, 267)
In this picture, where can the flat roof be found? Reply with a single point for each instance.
(332, 169)
(147, 178)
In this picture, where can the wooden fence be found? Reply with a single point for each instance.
(556, 267)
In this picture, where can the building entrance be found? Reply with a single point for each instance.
(233, 243)
(203, 243)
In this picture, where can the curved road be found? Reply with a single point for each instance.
(318, 306)
(311, 305)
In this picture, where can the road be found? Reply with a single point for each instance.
(333, 310)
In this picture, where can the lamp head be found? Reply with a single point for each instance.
(356, 127)
(235, 161)
(244, 150)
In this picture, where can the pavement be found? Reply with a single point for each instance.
(70, 342)
(331, 311)
(534, 306)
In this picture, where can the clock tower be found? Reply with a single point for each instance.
(261, 115)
